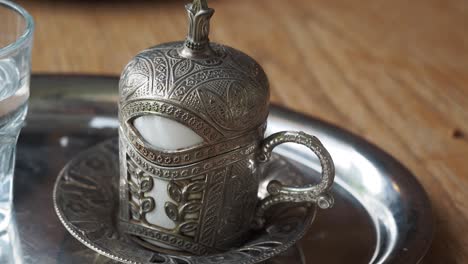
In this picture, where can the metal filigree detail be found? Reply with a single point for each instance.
(185, 210)
(198, 197)
(139, 184)
(84, 198)
(188, 171)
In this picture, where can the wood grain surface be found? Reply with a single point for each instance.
(394, 72)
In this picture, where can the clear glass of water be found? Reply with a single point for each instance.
(16, 37)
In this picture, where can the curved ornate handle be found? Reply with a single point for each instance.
(308, 194)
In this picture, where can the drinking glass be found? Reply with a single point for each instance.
(16, 37)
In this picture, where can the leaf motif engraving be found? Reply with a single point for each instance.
(133, 188)
(139, 184)
(147, 204)
(174, 192)
(146, 184)
(188, 227)
(185, 209)
(171, 211)
(194, 187)
(135, 210)
(191, 207)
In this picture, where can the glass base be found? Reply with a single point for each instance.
(7, 162)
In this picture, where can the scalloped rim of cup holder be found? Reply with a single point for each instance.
(86, 201)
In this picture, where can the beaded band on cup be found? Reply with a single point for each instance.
(184, 172)
(194, 154)
(165, 237)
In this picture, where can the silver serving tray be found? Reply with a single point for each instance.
(382, 214)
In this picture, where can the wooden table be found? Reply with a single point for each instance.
(394, 72)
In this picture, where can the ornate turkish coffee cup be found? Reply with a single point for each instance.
(192, 121)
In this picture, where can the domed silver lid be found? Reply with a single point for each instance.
(217, 91)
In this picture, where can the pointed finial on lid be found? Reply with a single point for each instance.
(197, 41)
(197, 5)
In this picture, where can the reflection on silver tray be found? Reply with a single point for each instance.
(86, 201)
(381, 213)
